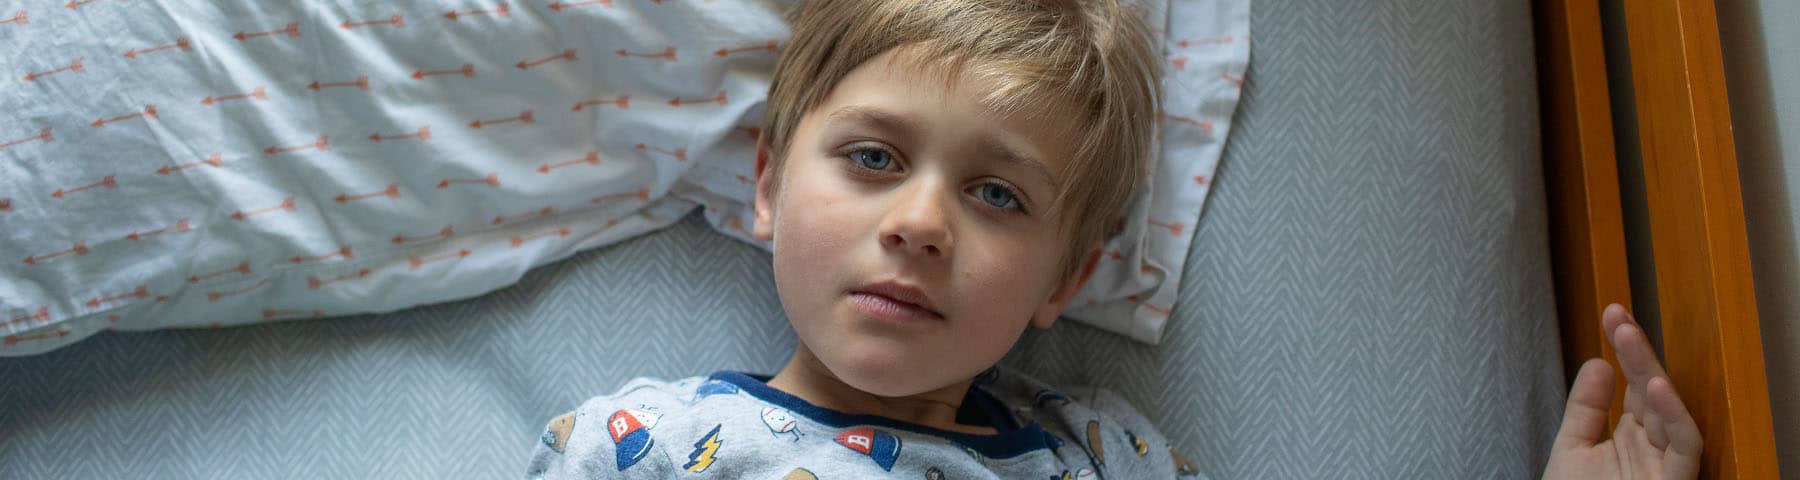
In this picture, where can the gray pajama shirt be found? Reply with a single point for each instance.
(733, 425)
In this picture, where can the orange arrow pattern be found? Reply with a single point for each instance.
(558, 6)
(545, 212)
(180, 226)
(74, 66)
(593, 158)
(343, 252)
(215, 161)
(1174, 228)
(42, 136)
(313, 283)
(242, 268)
(467, 70)
(258, 93)
(1206, 125)
(1185, 43)
(18, 18)
(5, 204)
(18, 339)
(492, 179)
(416, 262)
(523, 117)
(423, 134)
(292, 31)
(79, 249)
(677, 102)
(555, 232)
(103, 183)
(737, 225)
(180, 43)
(215, 296)
(1163, 311)
(149, 112)
(565, 55)
(642, 194)
(754, 133)
(679, 153)
(666, 54)
(397, 21)
(321, 144)
(623, 102)
(771, 46)
(499, 11)
(1235, 80)
(286, 205)
(42, 315)
(361, 83)
(392, 191)
(140, 292)
(447, 232)
(272, 314)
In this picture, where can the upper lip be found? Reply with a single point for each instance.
(901, 292)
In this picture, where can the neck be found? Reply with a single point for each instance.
(806, 377)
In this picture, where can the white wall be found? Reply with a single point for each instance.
(1761, 42)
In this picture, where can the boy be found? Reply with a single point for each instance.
(935, 176)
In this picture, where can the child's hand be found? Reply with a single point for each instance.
(1656, 438)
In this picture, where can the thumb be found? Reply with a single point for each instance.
(1584, 419)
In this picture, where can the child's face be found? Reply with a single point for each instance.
(896, 180)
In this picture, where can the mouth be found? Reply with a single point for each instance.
(895, 301)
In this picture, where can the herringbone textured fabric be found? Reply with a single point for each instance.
(1368, 297)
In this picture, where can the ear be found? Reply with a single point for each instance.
(1046, 314)
(764, 228)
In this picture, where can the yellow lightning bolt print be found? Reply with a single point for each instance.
(704, 451)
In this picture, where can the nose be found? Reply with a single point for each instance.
(918, 222)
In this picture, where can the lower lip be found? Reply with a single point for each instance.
(891, 310)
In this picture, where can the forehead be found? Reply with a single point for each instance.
(898, 90)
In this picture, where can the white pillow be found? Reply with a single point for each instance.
(196, 164)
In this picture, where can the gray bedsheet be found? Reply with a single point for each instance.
(1368, 298)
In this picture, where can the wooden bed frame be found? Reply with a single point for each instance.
(1711, 336)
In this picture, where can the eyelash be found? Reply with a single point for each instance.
(1017, 196)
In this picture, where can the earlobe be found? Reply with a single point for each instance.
(1052, 308)
(764, 228)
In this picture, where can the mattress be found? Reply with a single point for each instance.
(1368, 296)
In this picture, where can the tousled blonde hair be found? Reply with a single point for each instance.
(1095, 58)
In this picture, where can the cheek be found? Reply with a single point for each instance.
(1007, 280)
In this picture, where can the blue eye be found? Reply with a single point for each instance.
(998, 196)
(872, 159)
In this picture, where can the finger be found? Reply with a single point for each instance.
(1612, 317)
(1655, 431)
(1633, 447)
(1682, 460)
(1638, 362)
(1584, 417)
(1636, 356)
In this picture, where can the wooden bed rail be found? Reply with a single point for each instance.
(1711, 335)
(1587, 232)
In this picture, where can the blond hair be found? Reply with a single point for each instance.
(1096, 57)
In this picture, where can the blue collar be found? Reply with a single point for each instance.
(1007, 443)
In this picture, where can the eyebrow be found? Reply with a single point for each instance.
(907, 127)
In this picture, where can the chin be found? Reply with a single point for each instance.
(886, 372)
